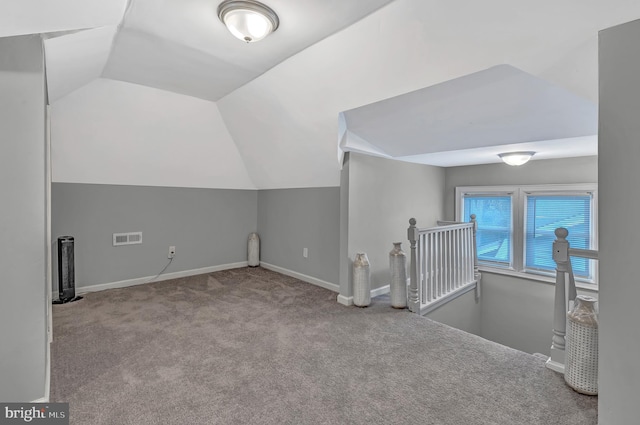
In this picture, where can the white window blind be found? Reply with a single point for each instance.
(544, 214)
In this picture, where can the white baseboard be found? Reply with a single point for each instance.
(374, 293)
(380, 291)
(167, 276)
(345, 300)
(309, 279)
(557, 358)
(47, 376)
(555, 366)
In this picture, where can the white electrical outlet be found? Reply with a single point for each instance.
(172, 252)
(305, 252)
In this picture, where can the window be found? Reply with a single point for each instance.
(495, 227)
(516, 225)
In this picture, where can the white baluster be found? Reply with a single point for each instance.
(440, 264)
(466, 256)
(432, 262)
(449, 266)
(459, 263)
(424, 282)
(461, 257)
(445, 258)
(469, 254)
(454, 259)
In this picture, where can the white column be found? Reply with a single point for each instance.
(414, 300)
(476, 271)
(561, 257)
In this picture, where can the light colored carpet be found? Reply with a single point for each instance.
(250, 346)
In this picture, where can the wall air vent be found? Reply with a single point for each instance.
(127, 238)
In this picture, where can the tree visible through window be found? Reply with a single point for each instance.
(493, 214)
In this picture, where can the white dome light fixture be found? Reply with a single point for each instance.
(248, 20)
(516, 158)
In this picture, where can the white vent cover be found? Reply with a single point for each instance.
(127, 238)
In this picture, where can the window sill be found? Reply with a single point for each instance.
(535, 277)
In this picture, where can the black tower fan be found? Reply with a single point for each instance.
(66, 271)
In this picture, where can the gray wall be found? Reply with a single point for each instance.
(23, 349)
(518, 312)
(292, 219)
(378, 196)
(619, 151)
(463, 313)
(209, 227)
(545, 171)
(383, 196)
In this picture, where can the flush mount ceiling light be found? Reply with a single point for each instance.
(516, 158)
(248, 20)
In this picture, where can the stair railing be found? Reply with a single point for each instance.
(443, 264)
(565, 294)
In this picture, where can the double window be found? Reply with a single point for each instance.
(516, 225)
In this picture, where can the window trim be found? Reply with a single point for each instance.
(519, 195)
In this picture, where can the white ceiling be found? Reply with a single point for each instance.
(278, 100)
(76, 59)
(19, 17)
(181, 45)
(492, 108)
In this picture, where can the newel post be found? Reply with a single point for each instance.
(561, 257)
(476, 271)
(414, 299)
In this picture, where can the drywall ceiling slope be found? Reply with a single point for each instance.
(183, 47)
(37, 16)
(285, 122)
(498, 106)
(76, 59)
(140, 58)
(112, 132)
(577, 71)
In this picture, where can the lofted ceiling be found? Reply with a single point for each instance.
(181, 46)
(140, 87)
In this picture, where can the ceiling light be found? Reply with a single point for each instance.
(248, 20)
(516, 158)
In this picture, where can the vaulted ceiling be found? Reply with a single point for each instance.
(159, 93)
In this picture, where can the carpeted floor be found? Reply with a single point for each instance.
(250, 346)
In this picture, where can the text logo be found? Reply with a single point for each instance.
(34, 413)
